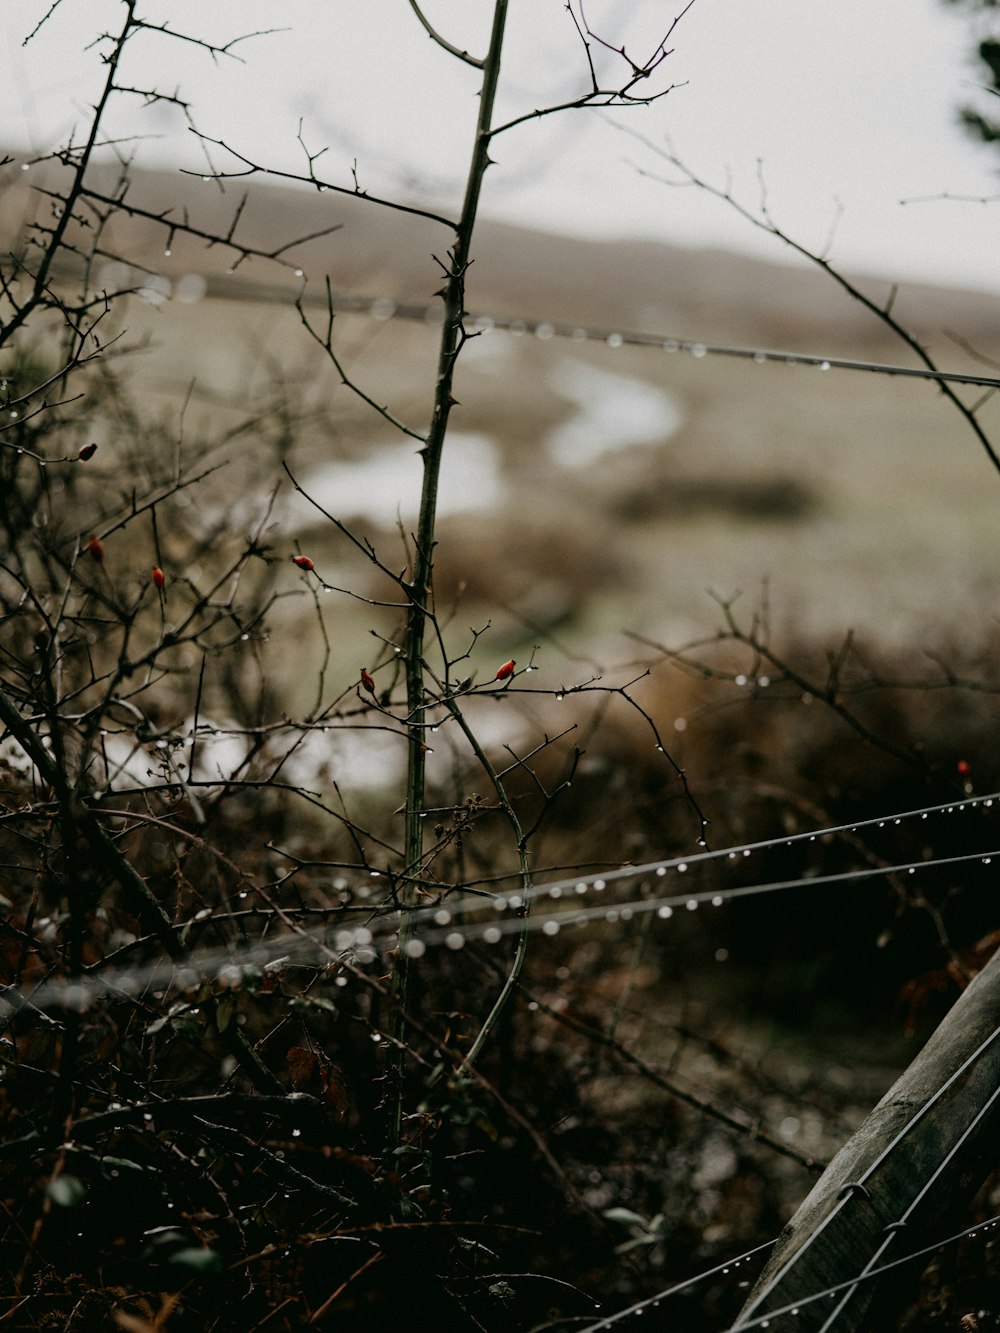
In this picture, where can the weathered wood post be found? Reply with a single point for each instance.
(898, 1183)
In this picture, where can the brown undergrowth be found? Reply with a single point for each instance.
(202, 1145)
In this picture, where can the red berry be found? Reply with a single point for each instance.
(506, 670)
(88, 451)
(964, 767)
(366, 680)
(303, 562)
(158, 577)
(95, 549)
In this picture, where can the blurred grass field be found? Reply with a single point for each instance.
(862, 502)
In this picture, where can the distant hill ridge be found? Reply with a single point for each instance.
(638, 284)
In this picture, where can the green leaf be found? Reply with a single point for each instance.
(66, 1191)
(303, 1003)
(626, 1217)
(167, 1238)
(628, 1245)
(474, 1247)
(112, 1167)
(225, 1012)
(194, 1262)
(175, 1012)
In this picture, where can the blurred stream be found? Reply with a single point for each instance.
(613, 412)
(610, 412)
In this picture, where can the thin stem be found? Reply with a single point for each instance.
(517, 962)
(452, 336)
(445, 45)
(56, 239)
(763, 221)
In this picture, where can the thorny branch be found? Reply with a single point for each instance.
(763, 221)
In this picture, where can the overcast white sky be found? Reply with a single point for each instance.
(852, 102)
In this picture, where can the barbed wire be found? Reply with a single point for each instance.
(157, 288)
(724, 1269)
(383, 308)
(450, 925)
(847, 1198)
(849, 1194)
(793, 1308)
(741, 851)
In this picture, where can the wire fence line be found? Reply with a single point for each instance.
(728, 1267)
(382, 308)
(157, 288)
(451, 924)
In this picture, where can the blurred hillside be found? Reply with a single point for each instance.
(865, 501)
(517, 272)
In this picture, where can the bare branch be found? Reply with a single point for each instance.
(764, 222)
(441, 41)
(251, 168)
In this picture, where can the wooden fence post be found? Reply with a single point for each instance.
(898, 1184)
